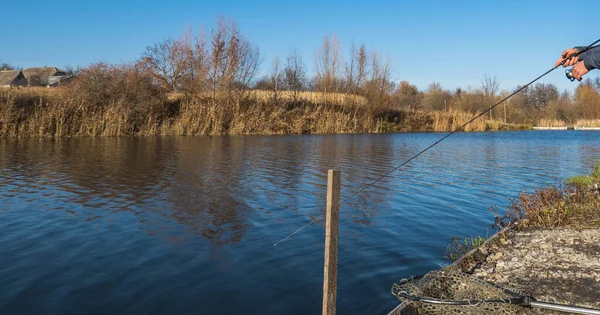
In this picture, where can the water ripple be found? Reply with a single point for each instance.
(185, 225)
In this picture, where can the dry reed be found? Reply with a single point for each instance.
(562, 123)
(35, 112)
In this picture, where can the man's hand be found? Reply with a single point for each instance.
(579, 70)
(566, 54)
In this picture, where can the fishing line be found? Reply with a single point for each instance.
(440, 140)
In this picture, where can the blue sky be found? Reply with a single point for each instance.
(450, 42)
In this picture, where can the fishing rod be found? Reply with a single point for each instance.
(569, 76)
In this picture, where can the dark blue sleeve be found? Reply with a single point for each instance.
(591, 58)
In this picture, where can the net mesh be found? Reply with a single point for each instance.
(450, 285)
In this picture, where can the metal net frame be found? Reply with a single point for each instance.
(450, 291)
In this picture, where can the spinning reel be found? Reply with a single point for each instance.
(569, 74)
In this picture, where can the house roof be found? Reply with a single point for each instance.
(43, 72)
(7, 77)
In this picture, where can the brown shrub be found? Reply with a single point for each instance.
(101, 86)
(554, 206)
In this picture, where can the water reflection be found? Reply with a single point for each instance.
(211, 185)
(210, 208)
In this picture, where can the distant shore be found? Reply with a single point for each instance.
(86, 110)
(566, 128)
(216, 82)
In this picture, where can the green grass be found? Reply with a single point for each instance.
(580, 182)
(460, 246)
(583, 182)
(596, 172)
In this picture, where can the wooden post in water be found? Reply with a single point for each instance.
(331, 242)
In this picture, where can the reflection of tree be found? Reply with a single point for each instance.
(210, 186)
(361, 159)
(205, 191)
(285, 166)
(147, 177)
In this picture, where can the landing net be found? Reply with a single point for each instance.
(454, 292)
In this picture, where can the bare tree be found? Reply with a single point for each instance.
(490, 86)
(166, 60)
(248, 62)
(407, 95)
(72, 70)
(276, 79)
(436, 98)
(233, 61)
(218, 59)
(361, 61)
(196, 62)
(587, 101)
(356, 69)
(294, 74)
(327, 63)
(380, 85)
(351, 70)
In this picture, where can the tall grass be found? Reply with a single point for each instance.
(123, 111)
(562, 123)
(309, 96)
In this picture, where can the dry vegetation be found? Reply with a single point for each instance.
(309, 96)
(208, 84)
(69, 112)
(574, 204)
(562, 123)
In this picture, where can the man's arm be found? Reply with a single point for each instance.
(590, 58)
(582, 63)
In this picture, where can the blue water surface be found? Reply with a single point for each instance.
(186, 225)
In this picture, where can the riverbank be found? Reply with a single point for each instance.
(547, 247)
(566, 128)
(557, 265)
(114, 111)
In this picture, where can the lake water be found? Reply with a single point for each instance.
(186, 225)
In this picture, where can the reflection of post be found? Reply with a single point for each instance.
(331, 242)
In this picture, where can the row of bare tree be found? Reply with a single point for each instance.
(224, 62)
(539, 101)
(364, 74)
(223, 65)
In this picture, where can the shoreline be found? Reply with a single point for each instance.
(548, 249)
(142, 135)
(566, 128)
(556, 265)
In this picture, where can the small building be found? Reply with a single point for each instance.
(12, 78)
(62, 80)
(44, 76)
